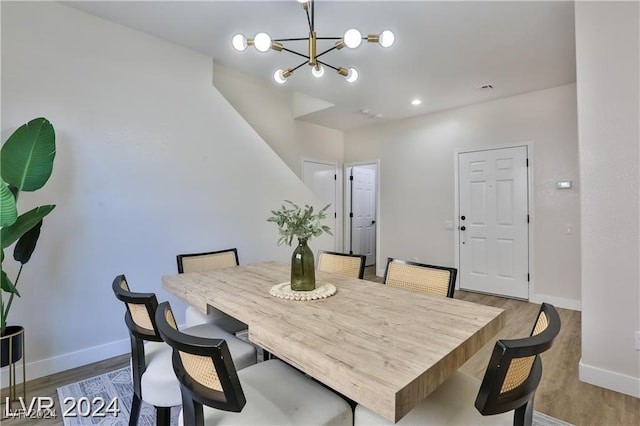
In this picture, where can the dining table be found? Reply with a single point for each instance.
(383, 347)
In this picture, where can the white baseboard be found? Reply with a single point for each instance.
(56, 364)
(607, 379)
(558, 302)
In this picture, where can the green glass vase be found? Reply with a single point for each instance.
(303, 271)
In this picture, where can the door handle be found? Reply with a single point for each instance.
(463, 217)
(462, 228)
(373, 222)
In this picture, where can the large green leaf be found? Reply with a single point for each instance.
(27, 244)
(23, 224)
(8, 211)
(7, 285)
(28, 154)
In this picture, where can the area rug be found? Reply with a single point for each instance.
(117, 384)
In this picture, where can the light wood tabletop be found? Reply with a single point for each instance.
(385, 348)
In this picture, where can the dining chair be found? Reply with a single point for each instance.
(207, 261)
(509, 384)
(153, 378)
(438, 280)
(341, 263)
(267, 393)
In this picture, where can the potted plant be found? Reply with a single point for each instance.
(294, 221)
(26, 161)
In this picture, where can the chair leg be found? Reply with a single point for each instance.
(523, 416)
(192, 411)
(163, 416)
(135, 410)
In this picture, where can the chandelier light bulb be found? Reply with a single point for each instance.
(279, 77)
(387, 38)
(317, 71)
(239, 42)
(262, 41)
(352, 77)
(352, 38)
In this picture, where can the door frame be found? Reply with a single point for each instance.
(530, 197)
(347, 206)
(338, 241)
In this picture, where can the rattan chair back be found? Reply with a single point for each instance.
(431, 279)
(515, 369)
(141, 310)
(207, 261)
(351, 265)
(204, 368)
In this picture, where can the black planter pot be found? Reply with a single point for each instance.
(11, 345)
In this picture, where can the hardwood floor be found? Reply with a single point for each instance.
(560, 393)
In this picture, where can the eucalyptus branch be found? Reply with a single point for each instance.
(294, 221)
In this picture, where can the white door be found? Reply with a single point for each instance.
(363, 212)
(321, 179)
(493, 221)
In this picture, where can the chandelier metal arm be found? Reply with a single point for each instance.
(326, 51)
(304, 63)
(295, 53)
(327, 65)
(291, 39)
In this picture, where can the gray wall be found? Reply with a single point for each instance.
(152, 161)
(608, 58)
(417, 181)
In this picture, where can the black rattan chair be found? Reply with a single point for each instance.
(207, 261)
(146, 358)
(431, 279)
(153, 378)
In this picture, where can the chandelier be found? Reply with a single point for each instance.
(351, 39)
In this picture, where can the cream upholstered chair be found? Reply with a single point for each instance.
(153, 378)
(341, 263)
(416, 276)
(267, 393)
(509, 383)
(207, 261)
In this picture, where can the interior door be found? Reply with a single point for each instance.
(493, 221)
(363, 211)
(321, 179)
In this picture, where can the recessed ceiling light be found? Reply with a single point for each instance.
(416, 102)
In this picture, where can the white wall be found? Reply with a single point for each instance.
(270, 110)
(152, 161)
(608, 73)
(417, 180)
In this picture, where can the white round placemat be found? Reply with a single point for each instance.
(322, 291)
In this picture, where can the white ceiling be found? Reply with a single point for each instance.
(443, 50)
